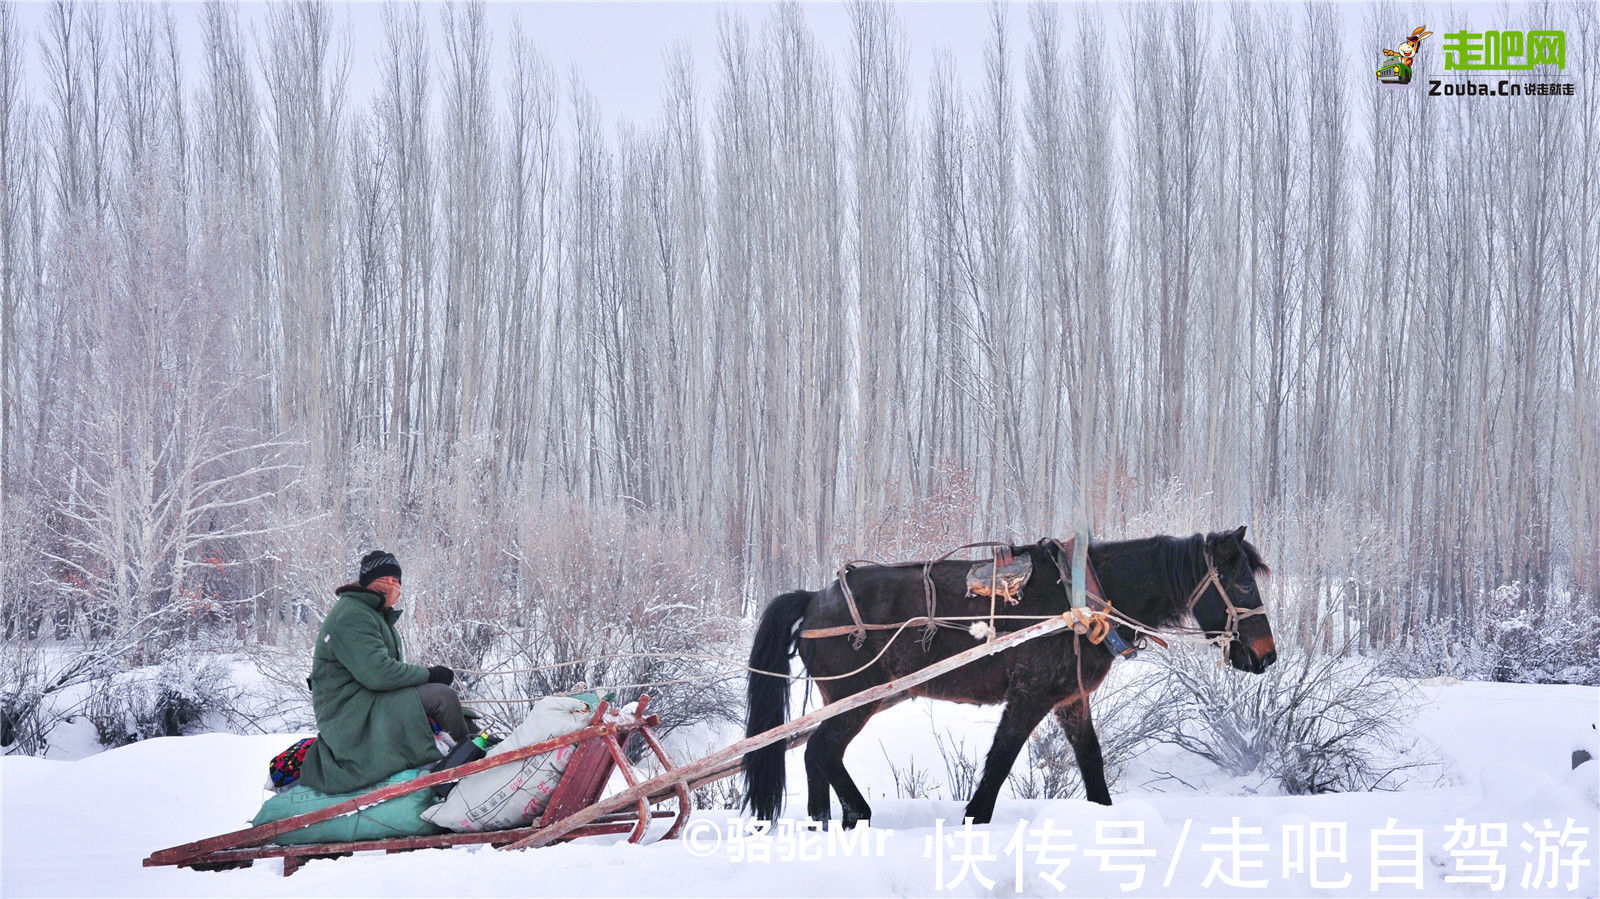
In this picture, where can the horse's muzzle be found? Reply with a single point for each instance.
(1255, 657)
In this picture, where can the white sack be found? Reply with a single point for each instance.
(513, 795)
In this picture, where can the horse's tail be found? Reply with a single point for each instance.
(768, 696)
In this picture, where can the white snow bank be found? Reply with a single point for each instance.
(81, 828)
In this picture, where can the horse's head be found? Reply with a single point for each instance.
(1227, 602)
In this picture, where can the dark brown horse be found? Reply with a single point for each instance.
(1155, 581)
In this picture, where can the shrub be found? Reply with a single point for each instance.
(170, 701)
(1522, 640)
(726, 794)
(34, 697)
(912, 782)
(1557, 644)
(25, 721)
(1310, 724)
(962, 769)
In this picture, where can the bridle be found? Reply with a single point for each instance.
(1235, 613)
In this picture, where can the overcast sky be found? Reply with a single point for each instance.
(619, 47)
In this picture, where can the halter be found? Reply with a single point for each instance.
(1235, 613)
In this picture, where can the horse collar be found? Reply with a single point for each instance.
(1094, 598)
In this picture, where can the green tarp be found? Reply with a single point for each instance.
(398, 817)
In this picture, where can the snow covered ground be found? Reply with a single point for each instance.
(1503, 807)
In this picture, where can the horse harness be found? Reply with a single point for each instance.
(1235, 613)
(858, 629)
(1095, 622)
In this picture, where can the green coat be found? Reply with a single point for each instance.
(370, 722)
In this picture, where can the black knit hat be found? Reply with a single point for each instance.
(376, 564)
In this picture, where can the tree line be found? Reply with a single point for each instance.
(810, 310)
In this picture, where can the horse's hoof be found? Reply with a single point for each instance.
(851, 819)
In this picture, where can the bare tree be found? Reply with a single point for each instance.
(16, 148)
(528, 347)
(880, 153)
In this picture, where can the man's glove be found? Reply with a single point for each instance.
(439, 674)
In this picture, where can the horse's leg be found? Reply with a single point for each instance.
(817, 805)
(1079, 727)
(825, 756)
(1023, 713)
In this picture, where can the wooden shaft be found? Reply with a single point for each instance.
(725, 760)
(682, 791)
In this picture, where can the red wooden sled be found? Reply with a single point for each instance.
(575, 809)
(598, 754)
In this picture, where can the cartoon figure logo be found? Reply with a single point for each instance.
(1397, 67)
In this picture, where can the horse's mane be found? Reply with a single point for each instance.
(1181, 560)
(1178, 562)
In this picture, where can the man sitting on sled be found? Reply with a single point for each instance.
(372, 707)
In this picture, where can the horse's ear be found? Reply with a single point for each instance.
(1228, 544)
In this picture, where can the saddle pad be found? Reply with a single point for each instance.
(984, 580)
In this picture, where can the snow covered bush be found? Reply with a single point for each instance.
(1523, 639)
(1552, 642)
(25, 720)
(1436, 650)
(1310, 724)
(40, 690)
(169, 701)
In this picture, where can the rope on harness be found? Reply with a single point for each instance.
(858, 630)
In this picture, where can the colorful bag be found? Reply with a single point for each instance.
(284, 770)
(285, 767)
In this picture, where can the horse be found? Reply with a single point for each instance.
(1154, 581)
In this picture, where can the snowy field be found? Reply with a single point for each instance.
(80, 828)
